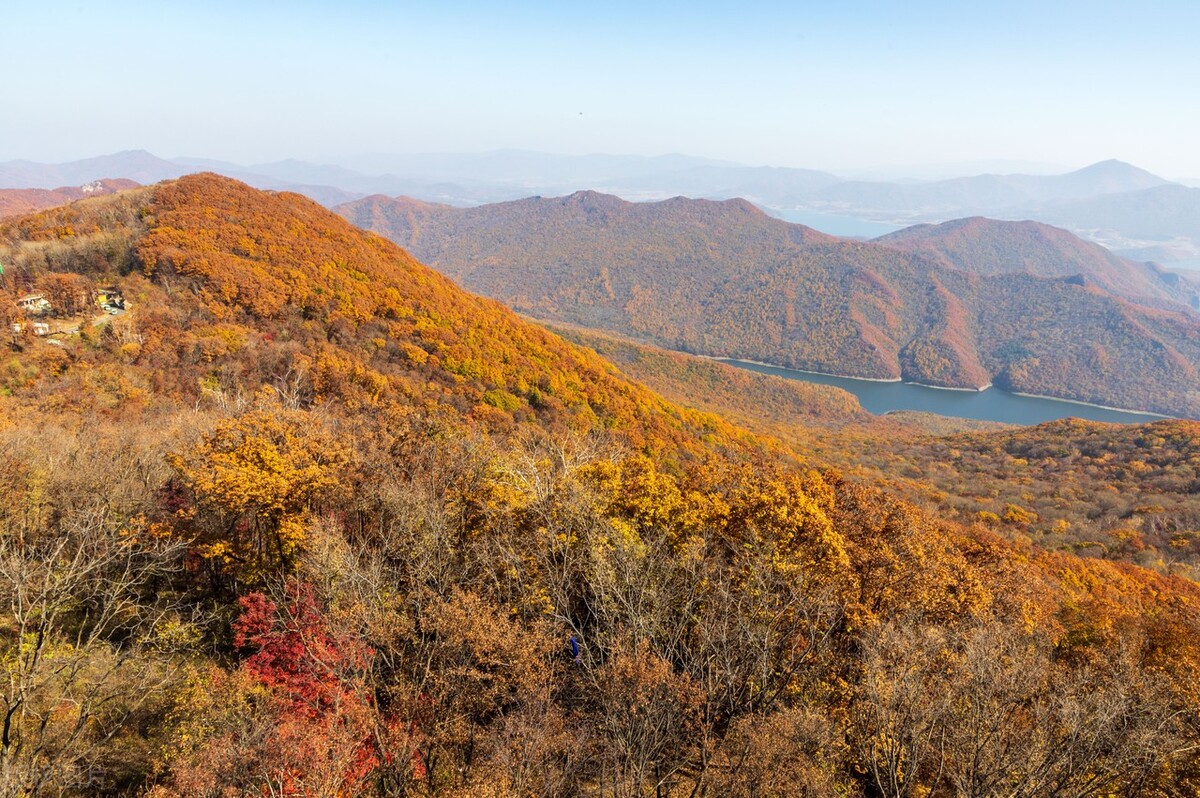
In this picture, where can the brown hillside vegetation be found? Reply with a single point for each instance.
(721, 278)
(1120, 492)
(988, 246)
(307, 519)
(742, 396)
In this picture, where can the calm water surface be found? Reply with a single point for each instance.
(992, 404)
(835, 225)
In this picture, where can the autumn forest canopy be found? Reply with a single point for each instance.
(285, 512)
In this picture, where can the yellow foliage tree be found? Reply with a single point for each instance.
(257, 478)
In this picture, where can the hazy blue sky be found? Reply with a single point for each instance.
(831, 84)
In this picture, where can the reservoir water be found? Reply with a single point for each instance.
(992, 404)
(836, 225)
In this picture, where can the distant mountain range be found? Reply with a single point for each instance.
(982, 194)
(145, 168)
(18, 201)
(1133, 221)
(136, 165)
(1137, 213)
(1038, 311)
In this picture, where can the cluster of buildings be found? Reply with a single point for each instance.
(36, 306)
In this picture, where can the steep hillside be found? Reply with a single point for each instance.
(282, 511)
(271, 287)
(17, 202)
(722, 278)
(987, 246)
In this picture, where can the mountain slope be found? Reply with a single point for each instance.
(989, 247)
(281, 286)
(765, 404)
(1123, 492)
(721, 278)
(1113, 491)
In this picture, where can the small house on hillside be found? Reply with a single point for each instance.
(40, 328)
(110, 300)
(35, 304)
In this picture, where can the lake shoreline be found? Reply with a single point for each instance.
(981, 389)
(1089, 404)
(732, 360)
(1138, 416)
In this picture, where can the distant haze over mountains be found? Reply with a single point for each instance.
(984, 193)
(920, 173)
(1139, 214)
(1166, 217)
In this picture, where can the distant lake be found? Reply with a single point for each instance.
(834, 225)
(992, 404)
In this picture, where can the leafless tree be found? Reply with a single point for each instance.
(85, 625)
(986, 710)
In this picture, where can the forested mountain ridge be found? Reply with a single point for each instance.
(413, 332)
(989, 247)
(282, 510)
(719, 278)
(1113, 203)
